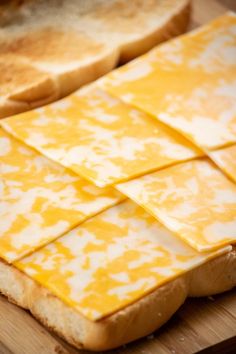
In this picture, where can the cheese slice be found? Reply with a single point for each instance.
(100, 138)
(193, 199)
(225, 158)
(188, 83)
(111, 261)
(40, 200)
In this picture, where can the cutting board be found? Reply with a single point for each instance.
(200, 326)
(206, 325)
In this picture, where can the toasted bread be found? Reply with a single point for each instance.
(49, 49)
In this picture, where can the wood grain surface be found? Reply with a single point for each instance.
(200, 326)
(206, 325)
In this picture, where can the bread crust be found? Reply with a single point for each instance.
(134, 321)
(176, 25)
(11, 107)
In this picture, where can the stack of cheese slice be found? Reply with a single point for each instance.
(101, 269)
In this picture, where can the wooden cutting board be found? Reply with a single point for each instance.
(200, 326)
(206, 325)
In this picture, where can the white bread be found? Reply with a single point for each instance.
(134, 321)
(49, 48)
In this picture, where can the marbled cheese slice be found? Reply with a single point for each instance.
(41, 200)
(188, 83)
(100, 138)
(225, 158)
(112, 260)
(193, 199)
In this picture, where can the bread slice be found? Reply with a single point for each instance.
(134, 321)
(50, 48)
(23, 83)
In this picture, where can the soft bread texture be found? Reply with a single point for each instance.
(134, 321)
(49, 49)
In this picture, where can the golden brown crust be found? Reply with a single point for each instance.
(11, 107)
(50, 63)
(22, 82)
(50, 45)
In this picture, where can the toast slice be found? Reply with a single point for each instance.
(135, 321)
(49, 49)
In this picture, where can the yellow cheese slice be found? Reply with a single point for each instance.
(111, 261)
(188, 83)
(225, 158)
(100, 138)
(193, 199)
(40, 200)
